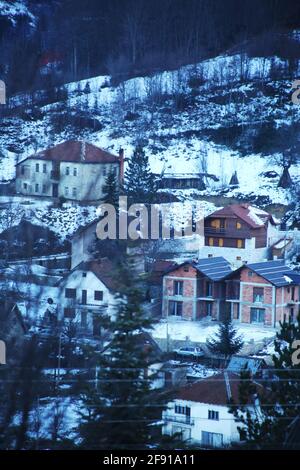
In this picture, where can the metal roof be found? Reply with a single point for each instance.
(239, 363)
(214, 268)
(275, 272)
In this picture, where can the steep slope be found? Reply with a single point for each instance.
(218, 116)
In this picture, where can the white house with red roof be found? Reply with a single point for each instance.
(241, 233)
(73, 170)
(200, 412)
(88, 293)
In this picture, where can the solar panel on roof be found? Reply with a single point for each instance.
(214, 268)
(273, 271)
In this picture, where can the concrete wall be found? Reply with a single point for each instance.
(249, 253)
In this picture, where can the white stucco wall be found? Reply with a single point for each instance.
(90, 283)
(85, 184)
(200, 422)
(249, 253)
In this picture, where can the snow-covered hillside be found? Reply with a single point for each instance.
(14, 10)
(207, 117)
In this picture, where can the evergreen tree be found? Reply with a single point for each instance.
(110, 190)
(277, 405)
(226, 342)
(123, 412)
(140, 184)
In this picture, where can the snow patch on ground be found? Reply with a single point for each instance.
(198, 331)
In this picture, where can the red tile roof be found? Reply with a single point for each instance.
(253, 216)
(212, 390)
(103, 269)
(76, 151)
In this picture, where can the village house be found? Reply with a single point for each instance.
(200, 412)
(240, 232)
(72, 170)
(194, 289)
(263, 293)
(87, 293)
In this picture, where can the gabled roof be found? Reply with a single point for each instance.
(252, 216)
(215, 268)
(75, 151)
(215, 390)
(103, 270)
(276, 272)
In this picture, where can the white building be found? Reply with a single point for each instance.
(86, 294)
(73, 170)
(200, 412)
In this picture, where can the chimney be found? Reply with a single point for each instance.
(83, 151)
(121, 157)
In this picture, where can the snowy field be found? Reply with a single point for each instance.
(198, 331)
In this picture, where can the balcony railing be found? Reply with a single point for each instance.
(179, 419)
(214, 230)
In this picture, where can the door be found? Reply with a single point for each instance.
(55, 190)
(84, 297)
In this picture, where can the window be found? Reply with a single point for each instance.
(104, 171)
(98, 295)
(37, 167)
(66, 191)
(209, 289)
(183, 410)
(178, 287)
(293, 293)
(215, 223)
(221, 242)
(258, 294)
(250, 274)
(69, 312)
(212, 439)
(175, 308)
(74, 192)
(186, 269)
(25, 185)
(211, 241)
(238, 258)
(22, 170)
(44, 168)
(238, 225)
(210, 255)
(239, 243)
(213, 415)
(44, 188)
(70, 293)
(74, 171)
(257, 315)
(67, 170)
(36, 188)
(83, 274)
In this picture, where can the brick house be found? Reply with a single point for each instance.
(74, 170)
(263, 293)
(239, 232)
(194, 289)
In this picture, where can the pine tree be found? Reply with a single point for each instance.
(226, 342)
(123, 411)
(268, 423)
(140, 184)
(111, 190)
